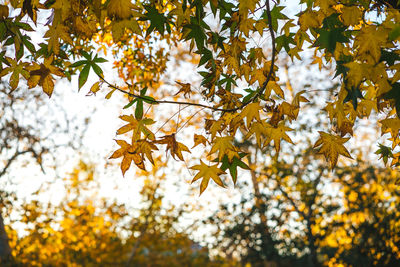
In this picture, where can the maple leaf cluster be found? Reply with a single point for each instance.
(239, 88)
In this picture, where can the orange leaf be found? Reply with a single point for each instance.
(175, 147)
(185, 89)
(199, 139)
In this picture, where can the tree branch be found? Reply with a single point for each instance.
(16, 154)
(260, 91)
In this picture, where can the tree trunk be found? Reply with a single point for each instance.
(312, 258)
(5, 250)
(257, 195)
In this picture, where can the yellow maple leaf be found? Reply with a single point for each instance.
(206, 172)
(214, 127)
(259, 129)
(289, 110)
(346, 127)
(234, 121)
(298, 98)
(245, 6)
(41, 75)
(332, 146)
(137, 126)
(260, 26)
(199, 139)
(94, 89)
(146, 148)
(118, 28)
(133, 123)
(181, 16)
(245, 70)
(84, 27)
(396, 76)
(55, 33)
(370, 41)
(17, 69)
(251, 112)
(62, 9)
(351, 15)
(224, 147)
(273, 85)
(276, 134)
(129, 154)
(232, 62)
(365, 107)
(391, 126)
(357, 72)
(120, 9)
(309, 19)
(176, 148)
(395, 160)
(246, 25)
(257, 75)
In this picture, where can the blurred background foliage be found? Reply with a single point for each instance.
(292, 211)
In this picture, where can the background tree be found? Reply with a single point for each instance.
(365, 231)
(295, 212)
(29, 139)
(85, 230)
(306, 216)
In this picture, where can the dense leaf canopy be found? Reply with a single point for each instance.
(236, 46)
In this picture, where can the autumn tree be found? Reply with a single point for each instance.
(87, 230)
(237, 43)
(29, 140)
(293, 211)
(366, 231)
(274, 220)
(304, 215)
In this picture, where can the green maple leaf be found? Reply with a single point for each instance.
(225, 8)
(218, 40)
(328, 38)
(88, 63)
(340, 68)
(332, 32)
(232, 166)
(332, 22)
(284, 41)
(206, 55)
(389, 56)
(157, 20)
(276, 14)
(228, 81)
(352, 95)
(385, 153)
(395, 33)
(195, 31)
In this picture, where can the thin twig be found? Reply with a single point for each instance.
(257, 95)
(160, 101)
